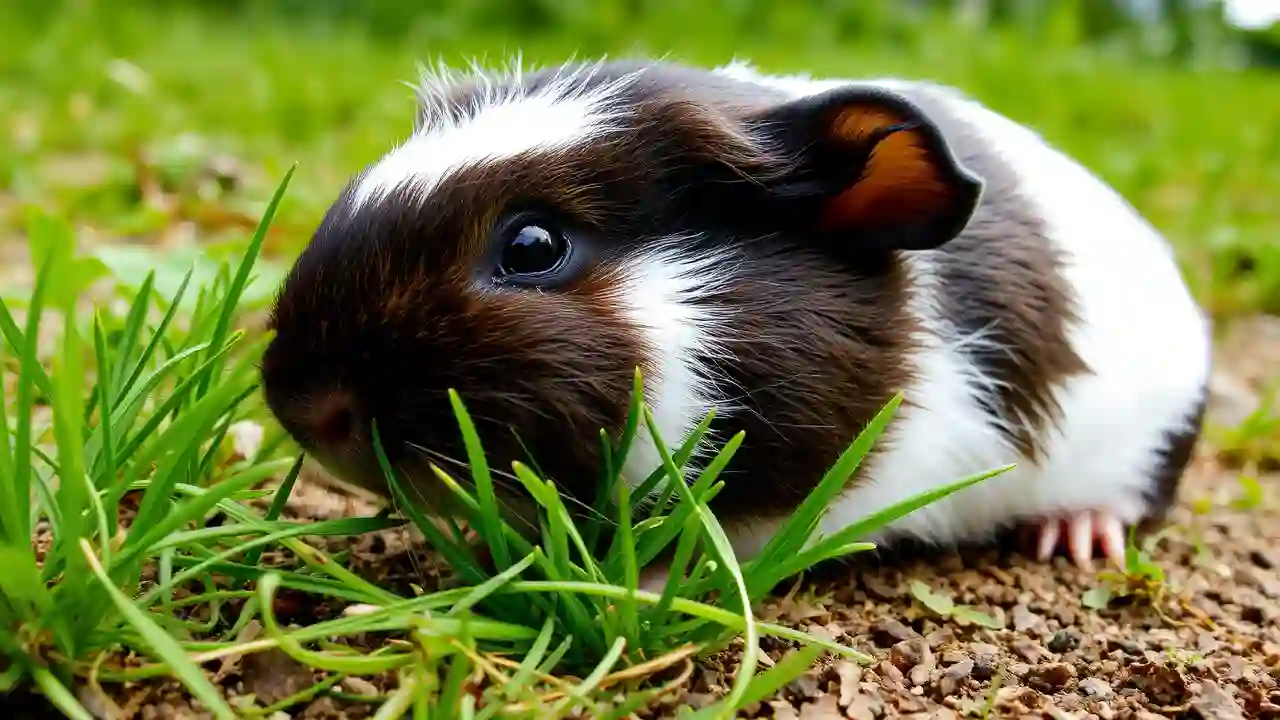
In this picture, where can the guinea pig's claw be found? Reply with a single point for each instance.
(1086, 532)
(1080, 540)
(1049, 531)
(1112, 533)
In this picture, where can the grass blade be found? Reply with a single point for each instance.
(850, 534)
(131, 333)
(529, 665)
(459, 557)
(16, 339)
(630, 620)
(769, 682)
(795, 533)
(164, 646)
(347, 664)
(231, 302)
(74, 485)
(182, 438)
(278, 502)
(582, 691)
(617, 457)
(12, 523)
(491, 522)
(106, 396)
(728, 562)
(59, 695)
(30, 375)
(488, 587)
(702, 611)
(157, 337)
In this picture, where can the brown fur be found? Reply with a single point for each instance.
(820, 354)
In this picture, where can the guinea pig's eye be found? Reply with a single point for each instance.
(533, 250)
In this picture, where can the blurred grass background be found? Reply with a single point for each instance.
(161, 126)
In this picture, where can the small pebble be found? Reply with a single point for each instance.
(806, 685)
(908, 653)
(849, 673)
(889, 631)
(945, 635)
(953, 676)
(1057, 713)
(1206, 643)
(1064, 641)
(880, 589)
(359, 686)
(1124, 644)
(783, 710)
(823, 707)
(1024, 619)
(1028, 649)
(1095, 689)
(1052, 677)
(890, 673)
(985, 664)
(865, 707)
(1070, 702)
(921, 673)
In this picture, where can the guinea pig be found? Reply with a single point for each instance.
(790, 252)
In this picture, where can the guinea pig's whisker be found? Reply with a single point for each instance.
(508, 481)
(512, 402)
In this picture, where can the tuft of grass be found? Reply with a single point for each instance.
(114, 482)
(590, 589)
(1140, 578)
(118, 486)
(1143, 580)
(1252, 494)
(1255, 441)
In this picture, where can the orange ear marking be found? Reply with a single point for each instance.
(901, 183)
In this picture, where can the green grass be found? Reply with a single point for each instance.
(152, 533)
(86, 89)
(1255, 442)
(129, 488)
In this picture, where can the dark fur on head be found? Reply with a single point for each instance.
(812, 201)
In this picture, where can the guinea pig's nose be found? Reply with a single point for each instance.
(331, 419)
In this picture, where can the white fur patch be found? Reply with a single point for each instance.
(501, 124)
(1140, 331)
(661, 288)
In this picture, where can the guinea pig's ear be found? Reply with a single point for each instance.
(865, 165)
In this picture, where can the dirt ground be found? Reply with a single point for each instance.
(1208, 646)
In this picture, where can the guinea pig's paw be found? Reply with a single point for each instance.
(1084, 533)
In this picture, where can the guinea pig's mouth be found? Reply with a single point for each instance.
(423, 463)
(417, 469)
